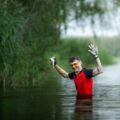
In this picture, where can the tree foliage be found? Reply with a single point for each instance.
(30, 31)
(11, 27)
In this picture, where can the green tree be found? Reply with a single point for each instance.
(43, 29)
(11, 23)
(30, 32)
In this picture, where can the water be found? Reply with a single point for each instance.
(107, 94)
(61, 103)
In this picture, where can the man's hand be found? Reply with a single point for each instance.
(53, 61)
(93, 50)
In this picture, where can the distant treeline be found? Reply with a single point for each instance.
(111, 45)
(79, 47)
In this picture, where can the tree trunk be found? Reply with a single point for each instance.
(4, 84)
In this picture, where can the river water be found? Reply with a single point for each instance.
(107, 94)
(61, 102)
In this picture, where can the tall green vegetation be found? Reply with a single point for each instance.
(111, 45)
(79, 47)
(30, 33)
(11, 27)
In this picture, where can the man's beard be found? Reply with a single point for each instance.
(78, 69)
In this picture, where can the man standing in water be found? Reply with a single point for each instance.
(82, 77)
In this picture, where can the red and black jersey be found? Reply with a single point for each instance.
(83, 81)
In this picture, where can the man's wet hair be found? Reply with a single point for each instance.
(73, 58)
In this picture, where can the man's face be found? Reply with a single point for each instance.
(76, 65)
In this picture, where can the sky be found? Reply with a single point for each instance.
(75, 30)
(110, 28)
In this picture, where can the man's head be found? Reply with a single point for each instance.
(75, 63)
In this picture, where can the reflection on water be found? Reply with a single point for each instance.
(83, 108)
(61, 103)
(30, 104)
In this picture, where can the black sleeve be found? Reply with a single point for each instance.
(88, 72)
(71, 75)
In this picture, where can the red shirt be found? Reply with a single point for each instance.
(83, 81)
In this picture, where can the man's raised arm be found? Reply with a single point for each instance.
(60, 70)
(94, 51)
